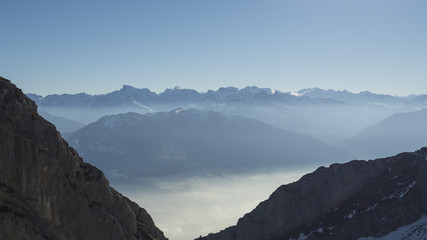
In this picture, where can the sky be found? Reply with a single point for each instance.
(58, 46)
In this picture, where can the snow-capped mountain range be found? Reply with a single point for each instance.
(129, 95)
(329, 115)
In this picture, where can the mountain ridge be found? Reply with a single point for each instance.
(128, 93)
(325, 117)
(344, 201)
(195, 140)
(397, 133)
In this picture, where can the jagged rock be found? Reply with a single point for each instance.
(344, 201)
(47, 192)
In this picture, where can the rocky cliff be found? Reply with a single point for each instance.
(344, 201)
(47, 192)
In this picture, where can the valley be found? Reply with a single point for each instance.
(181, 147)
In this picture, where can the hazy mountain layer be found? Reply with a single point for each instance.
(129, 95)
(328, 115)
(363, 98)
(344, 201)
(46, 190)
(62, 124)
(398, 133)
(181, 141)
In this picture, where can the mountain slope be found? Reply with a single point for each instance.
(182, 141)
(48, 192)
(327, 115)
(400, 132)
(414, 231)
(345, 201)
(63, 125)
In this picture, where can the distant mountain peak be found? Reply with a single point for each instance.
(178, 110)
(255, 90)
(308, 91)
(126, 88)
(249, 95)
(230, 88)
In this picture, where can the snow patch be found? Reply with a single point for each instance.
(178, 111)
(302, 236)
(350, 215)
(401, 192)
(142, 106)
(370, 208)
(413, 231)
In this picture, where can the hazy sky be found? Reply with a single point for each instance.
(57, 46)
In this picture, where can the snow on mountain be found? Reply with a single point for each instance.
(344, 201)
(328, 115)
(364, 97)
(413, 231)
(128, 95)
(255, 90)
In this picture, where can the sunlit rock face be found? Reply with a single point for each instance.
(344, 201)
(48, 192)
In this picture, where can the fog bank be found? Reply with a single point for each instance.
(187, 207)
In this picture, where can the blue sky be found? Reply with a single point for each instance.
(58, 46)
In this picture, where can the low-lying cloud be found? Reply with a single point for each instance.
(187, 207)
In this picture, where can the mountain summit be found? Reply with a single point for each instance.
(48, 192)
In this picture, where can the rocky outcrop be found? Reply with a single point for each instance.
(344, 201)
(47, 192)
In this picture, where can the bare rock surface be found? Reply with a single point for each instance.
(47, 192)
(344, 201)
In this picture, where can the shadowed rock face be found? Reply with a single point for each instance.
(48, 192)
(344, 201)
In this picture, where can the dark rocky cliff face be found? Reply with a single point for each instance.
(46, 190)
(344, 201)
